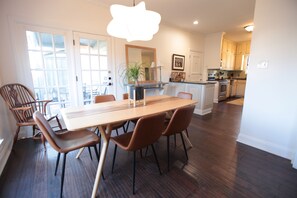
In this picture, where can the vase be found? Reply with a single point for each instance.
(139, 93)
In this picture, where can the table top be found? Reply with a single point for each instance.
(115, 111)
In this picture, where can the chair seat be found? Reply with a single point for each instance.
(72, 140)
(122, 140)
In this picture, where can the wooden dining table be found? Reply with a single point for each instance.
(105, 114)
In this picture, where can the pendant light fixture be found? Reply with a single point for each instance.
(133, 23)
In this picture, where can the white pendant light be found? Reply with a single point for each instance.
(133, 23)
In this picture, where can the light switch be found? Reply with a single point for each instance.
(263, 64)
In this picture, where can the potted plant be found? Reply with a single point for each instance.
(132, 73)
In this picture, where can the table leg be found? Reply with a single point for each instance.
(187, 139)
(105, 136)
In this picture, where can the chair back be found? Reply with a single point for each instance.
(104, 98)
(185, 95)
(46, 130)
(180, 120)
(125, 96)
(17, 95)
(148, 129)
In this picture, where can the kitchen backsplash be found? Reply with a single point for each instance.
(224, 74)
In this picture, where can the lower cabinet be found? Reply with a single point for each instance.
(237, 88)
(240, 88)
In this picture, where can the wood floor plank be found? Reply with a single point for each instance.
(218, 166)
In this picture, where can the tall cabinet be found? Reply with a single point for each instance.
(242, 55)
(228, 54)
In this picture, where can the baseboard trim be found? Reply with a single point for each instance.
(5, 150)
(266, 146)
(202, 112)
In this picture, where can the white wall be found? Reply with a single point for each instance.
(269, 120)
(79, 16)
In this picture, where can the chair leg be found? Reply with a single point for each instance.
(114, 156)
(168, 153)
(175, 139)
(127, 126)
(156, 158)
(57, 163)
(187, 133)
(146, 151)
(16, 134)
(96, 152)
(181, 135)
(134, 167)
(59, 124)
(97, 131)
(63, 173)
(124, 129)
(90, 153)
(33, 130)
(43, 141)
(117, 132)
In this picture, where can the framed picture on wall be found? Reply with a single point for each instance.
(178, 62)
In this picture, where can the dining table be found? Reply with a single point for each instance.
(104, 115)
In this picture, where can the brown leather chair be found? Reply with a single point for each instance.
(65, 142)
(107, 98)
(182, 95)
(147, 131)
(22, 103)
(179, 122)
(185, 95)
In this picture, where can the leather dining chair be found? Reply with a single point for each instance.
(108, 98)
(178, 123)
(185, 95)
(182, 95)
(147, 131)
(65, 142)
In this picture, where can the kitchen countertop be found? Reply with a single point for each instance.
(197, 82)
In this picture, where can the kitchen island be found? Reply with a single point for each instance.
(202, 91)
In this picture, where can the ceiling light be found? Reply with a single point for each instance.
(133, 23)
(249, 28)
(195, 22)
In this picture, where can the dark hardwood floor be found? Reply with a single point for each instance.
(218, 166)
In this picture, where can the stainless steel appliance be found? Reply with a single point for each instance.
(222, 95)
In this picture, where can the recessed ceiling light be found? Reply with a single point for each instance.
(249, 28)
(195, 22)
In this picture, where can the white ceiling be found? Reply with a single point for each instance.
(228, 16)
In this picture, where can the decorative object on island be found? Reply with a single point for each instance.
(178, 76)
(178, 62)
(133, 23)
(136, 93)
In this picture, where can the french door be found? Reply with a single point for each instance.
(92, 53)
(68, 73)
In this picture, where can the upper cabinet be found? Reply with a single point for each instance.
(221, 53)
(228, 54)
(242, 54)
